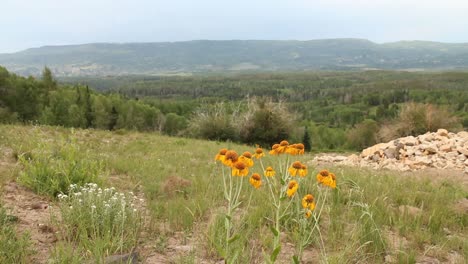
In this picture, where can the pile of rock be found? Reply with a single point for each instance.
(441, 150)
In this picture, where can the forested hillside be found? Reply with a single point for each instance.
(203, 56)
(336, 110)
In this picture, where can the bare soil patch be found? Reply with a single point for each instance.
(33, 212)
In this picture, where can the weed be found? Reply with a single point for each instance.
(100, 221)
(51, 170)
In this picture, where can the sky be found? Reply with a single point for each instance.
(33, 23)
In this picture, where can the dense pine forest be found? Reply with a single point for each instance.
(336, 110)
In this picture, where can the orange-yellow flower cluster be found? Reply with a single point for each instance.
(259, 153)
(247, 159)
(292, 188)
(308, 202)
(255, 180)
(221, 155)
(297, 168)
(269, 172)
(240, 169)
(284, 147)
(239, 164)
(327, 178)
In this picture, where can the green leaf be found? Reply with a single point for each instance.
(295, 259)
(274, 231)
(228, 217)
(275, 253)
(234, 238)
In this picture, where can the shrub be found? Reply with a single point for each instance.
(100, 221)
(51, 171)
(362, 135)
(265, 122)
(214, 122)
(415, 119)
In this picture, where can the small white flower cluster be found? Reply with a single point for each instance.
(101, 201)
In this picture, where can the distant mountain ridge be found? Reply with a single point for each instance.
(100, 59)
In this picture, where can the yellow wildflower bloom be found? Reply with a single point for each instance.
(292, 188)
(274, 149)
(308, 213)
(240, 169)
(308, 202)
(259, 153)
(230, 158)
(269, 172)
(255, 180)
(331, 181)
(327, 178)
(247, 159)
(283, 146)
(322, 175)
(303, 171)
(221, 155)
(295, 167)
(299, 148)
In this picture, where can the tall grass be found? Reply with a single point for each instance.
(51, 170)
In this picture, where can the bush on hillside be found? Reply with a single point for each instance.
(214, 122)
(265, 122)
(416, 119)
(362, 135)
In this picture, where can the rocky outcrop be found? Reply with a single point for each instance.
(441, 150)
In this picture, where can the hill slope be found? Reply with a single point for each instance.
(235, 55)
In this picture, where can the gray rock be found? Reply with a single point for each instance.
(125, 258)
(375, 158)
(391, 153)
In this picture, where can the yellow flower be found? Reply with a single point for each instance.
(295, 167)
(331, 181)
(259, 153)
(308, 202)
(321, 175)
(327, 178)
(274, 149)
(303, 171)
(283, 146)
(247, 159)
(240, 169)
(292, 188)
(295, 149)
(299, 148)
(221, 155)
(255, 180)
(308, 213)
(230, 158)
(269, 172)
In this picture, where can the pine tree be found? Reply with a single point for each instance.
(88, 109)
(306, 140)
(113, 118)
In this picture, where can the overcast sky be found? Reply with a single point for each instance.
(25, 24)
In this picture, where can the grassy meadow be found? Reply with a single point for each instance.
(151, 189)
